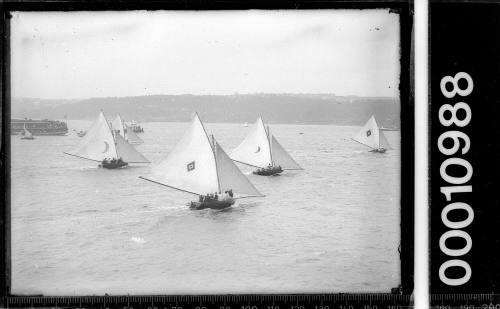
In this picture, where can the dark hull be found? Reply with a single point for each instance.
(212, 205)
(113, 166)
(380, 150)
(26, 137)
(268, 172)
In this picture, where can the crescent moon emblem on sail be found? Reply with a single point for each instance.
(258, 149)
(106, 147)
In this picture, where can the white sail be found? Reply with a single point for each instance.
(26, 133)
(369, 134)
(118, 127)
(98, 143)
(230, 176)
(131, 137)
(255, 149)
(384, 143)
(127, 152)
(281, 157)
(190, 166)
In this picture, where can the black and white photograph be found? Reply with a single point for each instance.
(205, 152)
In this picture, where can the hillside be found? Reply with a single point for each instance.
(275, 108)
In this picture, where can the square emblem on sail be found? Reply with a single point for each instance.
(368, 133)
(190, 166)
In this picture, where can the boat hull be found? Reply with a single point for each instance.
(113, 166)
(379, 150)
(27, 137)
(268, 171)
(212, 204)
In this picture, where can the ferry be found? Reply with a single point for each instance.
(38, 127)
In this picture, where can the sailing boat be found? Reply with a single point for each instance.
(125, 131)
(100, 144)
(25, 134)
(372, 136)
(198, 165)
(261, 149)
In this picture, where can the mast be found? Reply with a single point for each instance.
(378, 131)
(216, 167)
(112, 132)
(270, 145)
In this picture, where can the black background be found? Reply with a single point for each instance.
(465, 37)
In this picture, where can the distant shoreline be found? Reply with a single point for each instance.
(274, 108)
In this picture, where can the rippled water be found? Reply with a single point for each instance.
(333, 227)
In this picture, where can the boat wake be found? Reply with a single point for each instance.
(138, 240)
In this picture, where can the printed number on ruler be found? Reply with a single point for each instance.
(448, 117)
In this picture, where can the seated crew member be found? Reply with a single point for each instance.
(230, 192)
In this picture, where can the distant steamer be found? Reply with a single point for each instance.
(38, 127)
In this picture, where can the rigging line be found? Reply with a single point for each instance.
(363, 144)
(70, 154)
(169, 186)
(248, 164)
(110, 128)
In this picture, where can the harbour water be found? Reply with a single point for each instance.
(332, 227)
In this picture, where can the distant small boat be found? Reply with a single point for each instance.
(261, 149)
(198, 165)
(125, 131)
(25, 134)
(102, 145)
(372, 136)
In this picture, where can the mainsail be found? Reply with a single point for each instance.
(197, 166)
(98, 143)
(261, 149)
(255, 149)
(370, 135)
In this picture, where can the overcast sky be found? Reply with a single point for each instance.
(107, 54)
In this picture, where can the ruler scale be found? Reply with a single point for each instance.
(250, 301)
